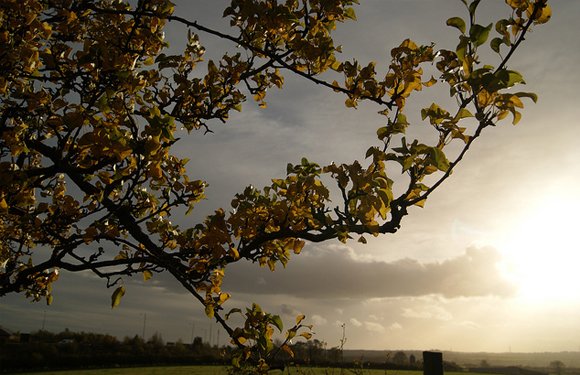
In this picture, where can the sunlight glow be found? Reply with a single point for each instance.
(542, 252)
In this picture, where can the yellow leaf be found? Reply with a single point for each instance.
(421, 203)
(484, 98)
(224, 297)
(408, 43)
(155, 171)
(543, 15)
(241, 340)
(288, 350)
(517, 4)
(90, 234)
(516, 101)
(209, 311)
(430, 82)
(147, 275)
(300, 318)
(336, 66)
(350, 103)
(117, 295)
(122, 255)
(3, 205)
(517, 117)
(502, 115)
(430, 169)
(298, 245)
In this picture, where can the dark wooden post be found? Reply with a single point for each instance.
(432, 363)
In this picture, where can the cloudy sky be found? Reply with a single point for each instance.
(490, 264)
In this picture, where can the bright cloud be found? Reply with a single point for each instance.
(355, 322)
(318, 320)
(431, 312)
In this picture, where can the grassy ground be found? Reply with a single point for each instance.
(220, 370)
(169, 370)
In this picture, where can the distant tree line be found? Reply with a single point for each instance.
(43, 350)
(70, 350)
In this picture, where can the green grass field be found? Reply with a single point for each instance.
(169, 370)
(220, 370)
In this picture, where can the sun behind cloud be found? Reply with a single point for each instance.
(542, 251)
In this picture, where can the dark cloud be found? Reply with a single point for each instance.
(289, 310)
(335, 272)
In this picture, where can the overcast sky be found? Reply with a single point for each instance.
(490, 264)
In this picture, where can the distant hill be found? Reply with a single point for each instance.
(535, 360)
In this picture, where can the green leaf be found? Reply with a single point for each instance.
(402, 120)
(473, 6)
(408, 162)
(495, 44)
(501, 26)
(277, 321)
(530, 95)
(463, 113)
(103, 104)
(211, 67)
(458, 23)
(233, 311)
(349, 13)
(462, 48)
(117, 295)
(478, 34)
(509, 78)
(439, 159)
(382, 132)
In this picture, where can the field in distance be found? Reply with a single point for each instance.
(222, 370)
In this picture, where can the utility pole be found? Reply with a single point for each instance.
(144, 325)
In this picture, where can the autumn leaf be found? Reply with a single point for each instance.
(116, 296)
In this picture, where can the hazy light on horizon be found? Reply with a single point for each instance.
(541, 251)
